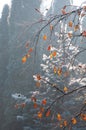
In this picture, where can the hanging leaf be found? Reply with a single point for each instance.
(38, 77)
(59, 117)
(39, 114)
(16, 106)
(27, 55)
(65, 123)
(74, 121)
(65, 89)
(41, 109)
(84, 33)
(48, 113)
(24, 59)
(27, 45)
(51, 27)
(49, 48)
(45, 37)
(33, 99)
(59, 71)
(70, 24)
(44, 101)
(23, 105)
(70, 35)
(55, 70)
(30, 50)
(38, 84)
(83, 117)
(63, 11)
(54, 53)
(76, 27)
(35, 105)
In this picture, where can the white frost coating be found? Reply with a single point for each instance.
(18, 96)
(78, 2)
(45, 6)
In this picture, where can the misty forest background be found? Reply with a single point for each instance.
(16, 77)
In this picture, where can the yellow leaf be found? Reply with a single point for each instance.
(65, 89)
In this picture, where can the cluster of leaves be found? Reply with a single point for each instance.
(63, 76)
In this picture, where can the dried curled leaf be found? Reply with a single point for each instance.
(76, 27)
(59, 71)
(83, 117)
(74, 121)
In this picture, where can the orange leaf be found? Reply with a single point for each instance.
(44, 37)
(33, 99)
(39, 114)
(38, 84)
(83, 116)
(30, 50)
(76, 27)
(44, 101)
(65, 123)
(54, 53)
(70, 24)
(59, 117)
(48, 113)
(41, 109)
(74, 121)
(24, 59)
(35, 105)
(38, 77)
(65, 89)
